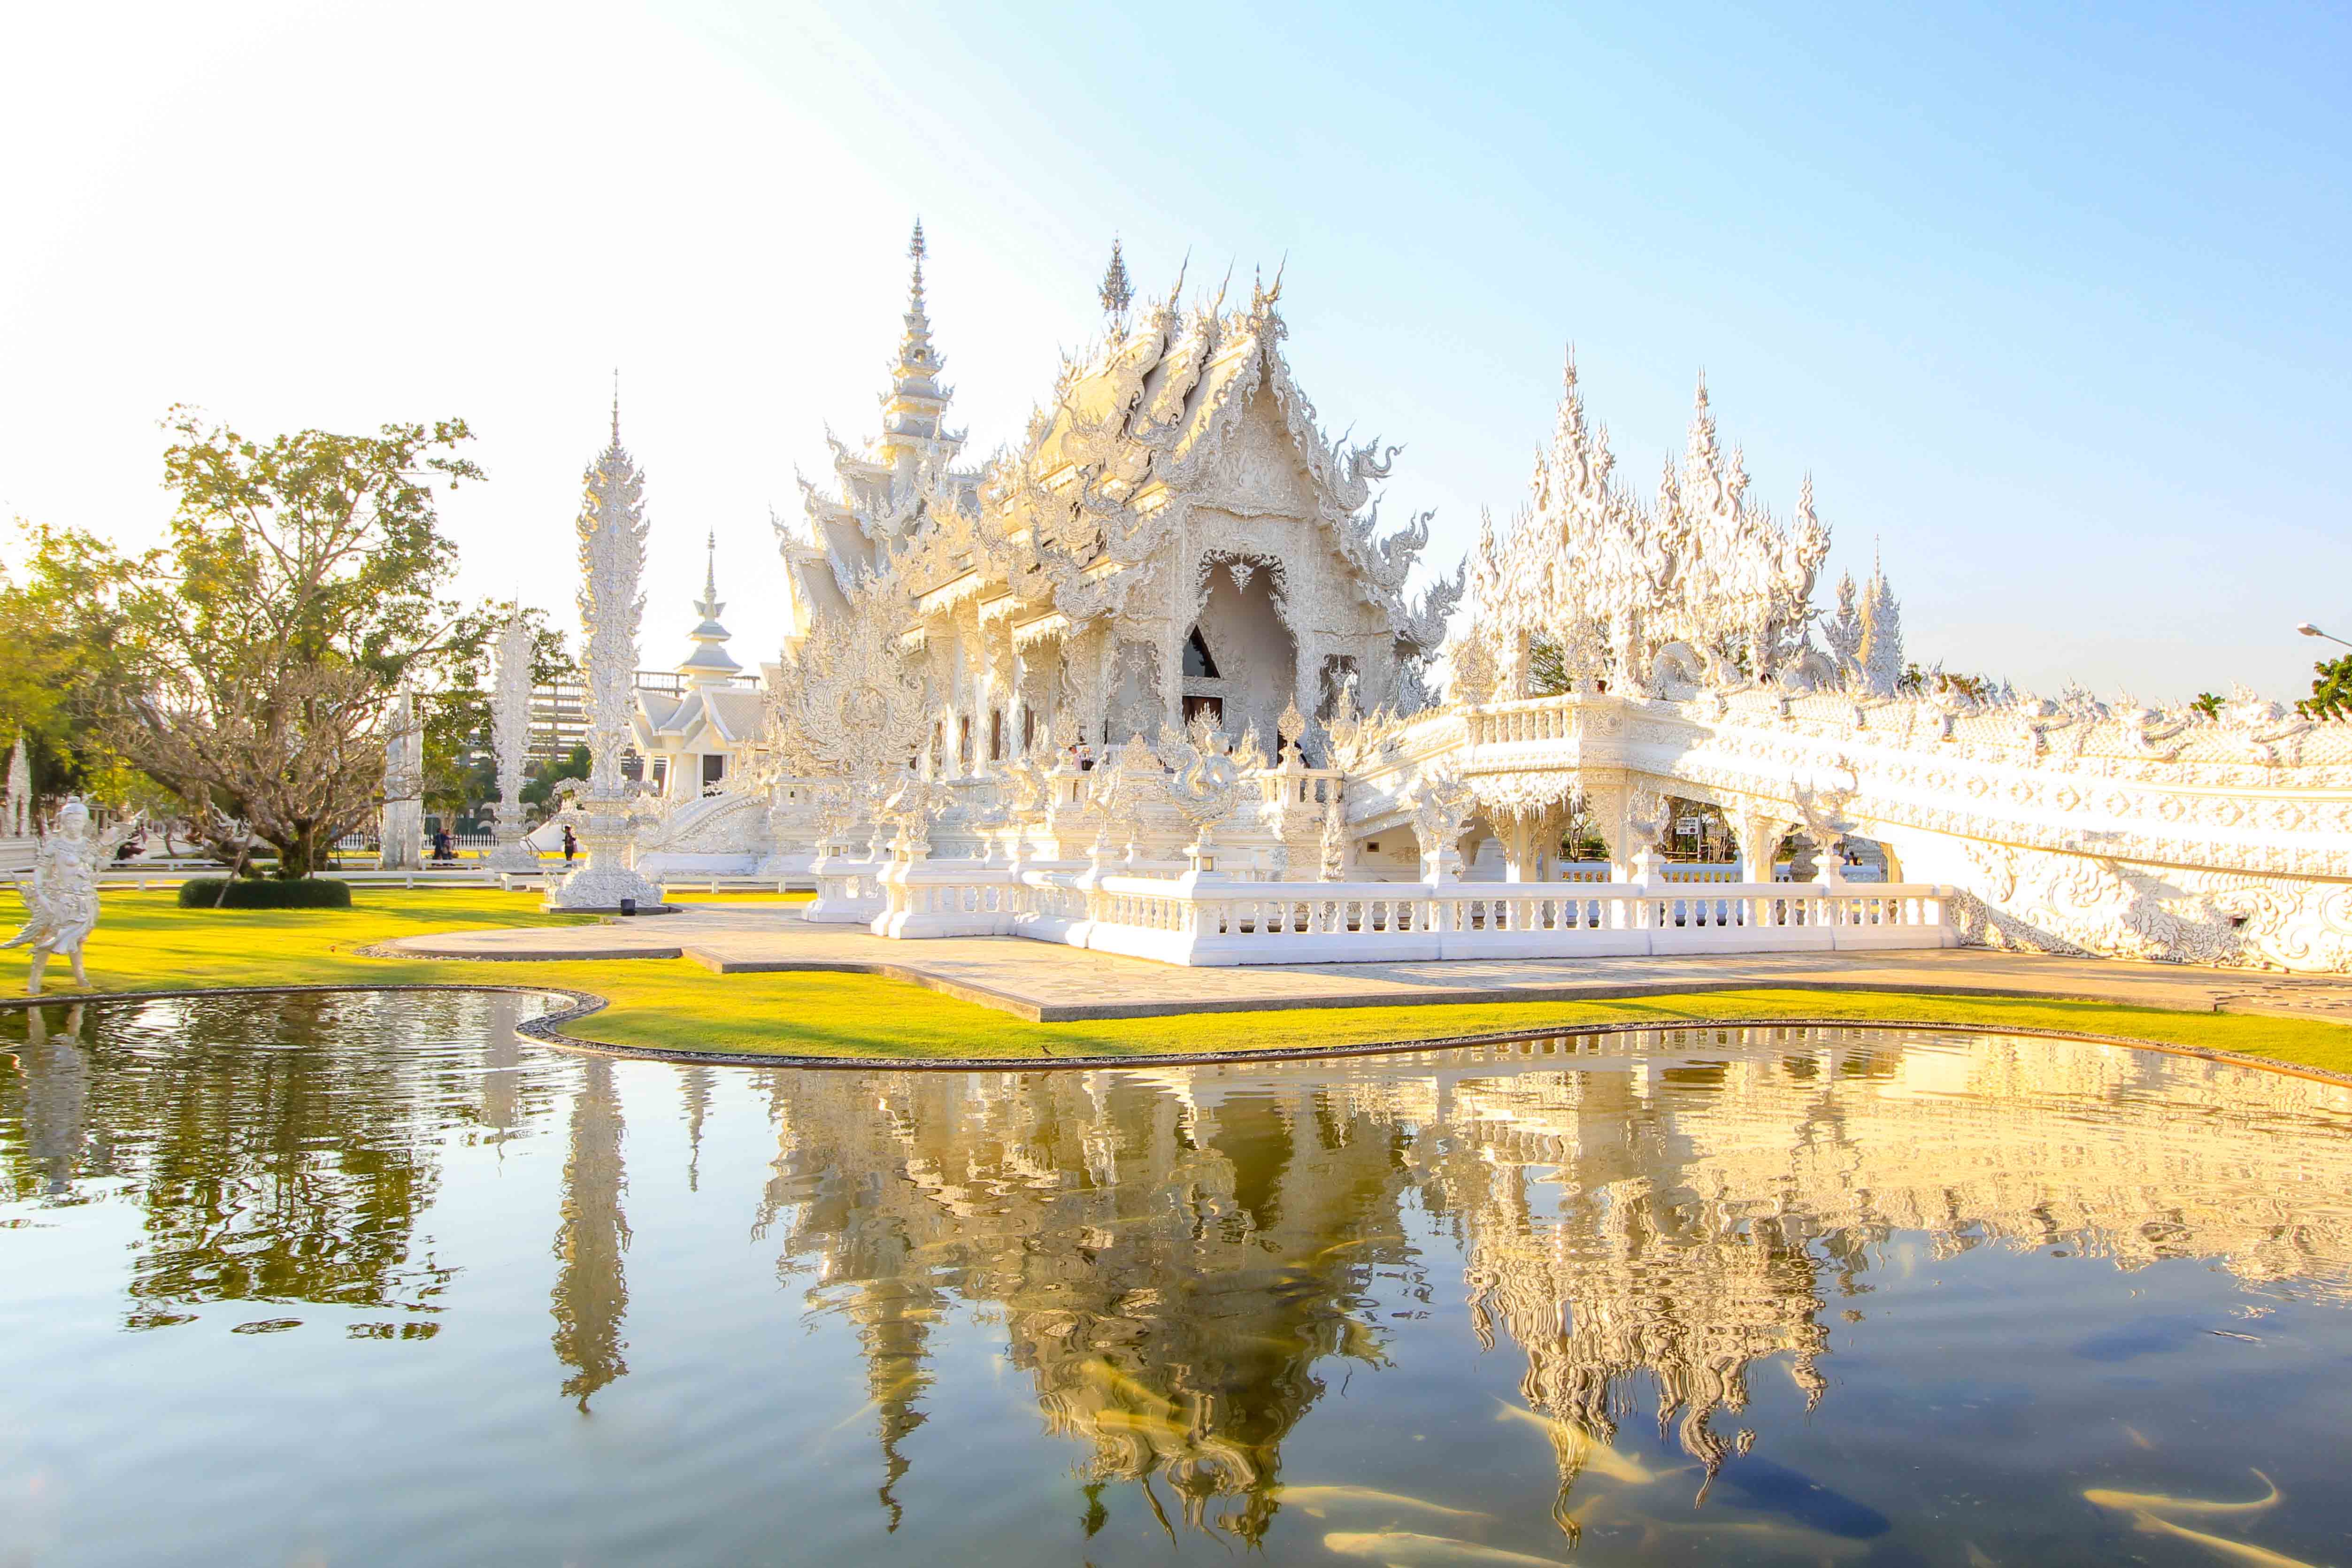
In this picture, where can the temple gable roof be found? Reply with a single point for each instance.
(1183, 407)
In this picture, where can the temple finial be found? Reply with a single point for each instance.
(1117, 292)
(616, 406)
(915, 350)
(710, 568)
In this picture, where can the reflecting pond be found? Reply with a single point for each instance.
(350, 1279)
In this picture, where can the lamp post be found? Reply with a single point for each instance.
(2307, 629)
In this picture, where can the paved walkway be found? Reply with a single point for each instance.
(1044, 982)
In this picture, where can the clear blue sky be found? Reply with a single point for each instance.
(2053, 307)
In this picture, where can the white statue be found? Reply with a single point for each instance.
(16, 804)
(510, 738)
(1334, 867)
(63, 895)
(1441, 806)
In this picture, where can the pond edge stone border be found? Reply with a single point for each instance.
(547, 1031)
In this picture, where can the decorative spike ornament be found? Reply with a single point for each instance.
(1117, 292)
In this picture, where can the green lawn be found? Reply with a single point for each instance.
(144, 942)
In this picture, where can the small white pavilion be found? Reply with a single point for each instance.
(695, 737)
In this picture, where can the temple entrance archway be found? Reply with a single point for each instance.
(1239, 659)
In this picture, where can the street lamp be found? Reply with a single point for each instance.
(2307, 629)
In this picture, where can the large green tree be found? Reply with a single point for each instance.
(62, 624)
(302, 584)
(2331, 690)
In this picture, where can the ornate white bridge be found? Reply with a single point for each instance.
(2224, 839)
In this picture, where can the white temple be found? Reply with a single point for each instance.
(1173, 535)
(1150, 682)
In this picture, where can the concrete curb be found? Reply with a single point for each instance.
(1029, 1011)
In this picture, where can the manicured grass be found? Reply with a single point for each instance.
(145, 943)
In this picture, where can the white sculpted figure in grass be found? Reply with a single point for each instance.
(62, 897)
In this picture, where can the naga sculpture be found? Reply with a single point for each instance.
(1205, 787)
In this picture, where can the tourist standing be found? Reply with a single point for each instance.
(570, 845)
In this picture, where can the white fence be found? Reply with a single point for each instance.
(474, 875)
(1216, 923)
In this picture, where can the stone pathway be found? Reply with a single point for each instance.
(1045, 983)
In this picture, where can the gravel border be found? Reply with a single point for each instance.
(548, 1031)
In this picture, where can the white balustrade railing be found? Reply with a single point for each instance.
(1217, 921)
(1301, 786)
(1531, 721)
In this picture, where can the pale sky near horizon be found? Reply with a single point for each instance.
(2054, 309)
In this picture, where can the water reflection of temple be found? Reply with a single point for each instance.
(1183, 1258)
(1169, 1262)
(1645, 1216)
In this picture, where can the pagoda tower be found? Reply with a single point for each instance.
(914, 406)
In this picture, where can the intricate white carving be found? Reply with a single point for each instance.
(1178, 444)
(1204, 784)
(61, 899)
(1441, 807)
(1604, 581)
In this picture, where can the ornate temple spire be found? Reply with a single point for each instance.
(1117, 292)
(709, 664)
(912, 407)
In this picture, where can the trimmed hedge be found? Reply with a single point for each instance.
(247, 893)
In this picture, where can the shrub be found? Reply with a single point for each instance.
(304, 894)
